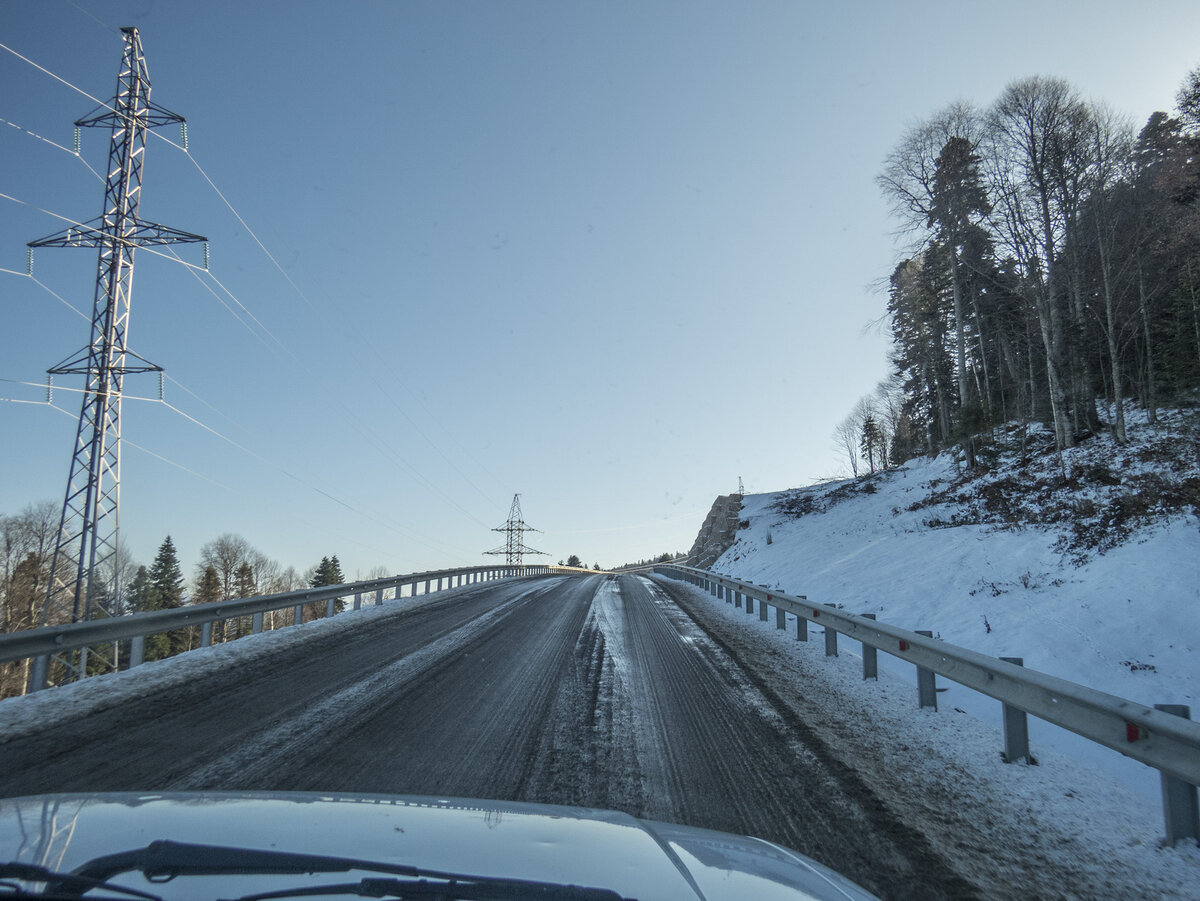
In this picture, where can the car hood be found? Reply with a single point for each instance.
(565, 845)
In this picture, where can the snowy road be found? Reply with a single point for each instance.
(592, 690)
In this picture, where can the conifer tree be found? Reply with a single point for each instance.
(243, 582)
(166, 577)
(141, 593)
(145, 598)
(208, 589)
(328, 572)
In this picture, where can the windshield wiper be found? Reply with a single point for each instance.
(161, 861)
(59, 885)
(458, 888)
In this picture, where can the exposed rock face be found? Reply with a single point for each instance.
(718, 532)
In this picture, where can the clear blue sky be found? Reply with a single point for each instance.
(610, 255)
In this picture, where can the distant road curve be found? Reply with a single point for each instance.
(589, 690)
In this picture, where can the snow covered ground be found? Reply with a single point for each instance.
(1063, 829)
(1122, 616)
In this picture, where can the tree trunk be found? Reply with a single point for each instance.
(986, 389)
(1110, 334)
(1195, 306)
(960, 340)
(1150, 400)
(1083, 396)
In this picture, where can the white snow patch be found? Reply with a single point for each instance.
(1072, 800)
(1127, 622)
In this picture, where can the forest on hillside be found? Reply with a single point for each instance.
(1053, 263)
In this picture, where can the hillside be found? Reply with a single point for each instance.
(1085, 563)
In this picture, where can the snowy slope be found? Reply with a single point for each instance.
(1085, 575)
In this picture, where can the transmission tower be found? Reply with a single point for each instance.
(514, 547)
(82, 567)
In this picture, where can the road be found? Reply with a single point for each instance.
(595, 691)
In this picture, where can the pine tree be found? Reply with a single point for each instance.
(870, 441)
(142, 595)
(335, 571)
(243, 582)
(329, 572)
(959, 201)
(166, 577)
(208, 589)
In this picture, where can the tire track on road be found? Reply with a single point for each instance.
(293, 738)
(819, 803)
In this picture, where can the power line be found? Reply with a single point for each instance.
(378, 442)
(34, 134)
(250, 231)
(439, 547)
(91, 16)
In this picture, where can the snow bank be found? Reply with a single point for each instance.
(1080, 831)
(1124, 621)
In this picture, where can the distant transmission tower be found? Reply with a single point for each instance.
(83, 566)
(514, 547)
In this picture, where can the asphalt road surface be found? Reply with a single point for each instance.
(588, 690)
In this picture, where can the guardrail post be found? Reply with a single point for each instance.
(297, 614)
(737, 600)
(801, 628)
(780, 618)
(358, 600)
(762, 609)
(870, 657)
(256, 623)
(379, 595)
(1016, 727)
(1180, 808)
(926, 680)
(206, 635)
(331, 607)
(831, 649)
(40, 674)
(137, 650)
(749, 603)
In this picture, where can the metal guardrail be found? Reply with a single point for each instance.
(40, 644)
(1167, 741)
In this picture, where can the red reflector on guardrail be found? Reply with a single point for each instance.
(903, 645)
(1132, 732)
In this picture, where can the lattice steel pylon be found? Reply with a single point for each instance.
(86, 548)
(514, 547)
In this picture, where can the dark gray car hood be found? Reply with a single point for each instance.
(576, 846)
